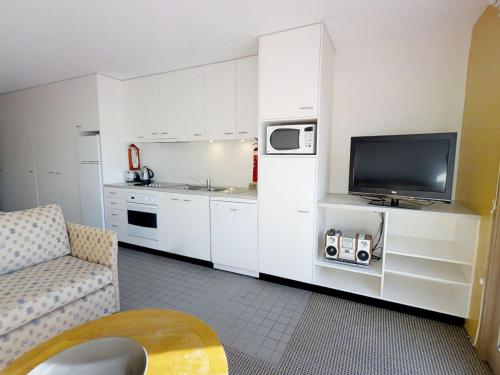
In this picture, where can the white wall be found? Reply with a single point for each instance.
(227, 163)
(400, 82)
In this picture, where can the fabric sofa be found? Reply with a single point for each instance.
(53, 276)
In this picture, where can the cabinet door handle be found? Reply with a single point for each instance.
(164, 133)
(51, 172)
(233, 209)
(140, 137)
(187, 200)
(197, 134)
(79, 126)
(112, 192)
(303, 211)
(242, 132)
(114, 214)
(115, 226)
(174, 199)
(57, 172)
(229, 133)
(31, 171)
(307, 107)
(154, 133)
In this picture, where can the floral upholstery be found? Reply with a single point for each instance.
(31, 237)
(93, 306)
(37, 290)
(96, 246)
(53, 276)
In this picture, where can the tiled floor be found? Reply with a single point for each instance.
(250, 315)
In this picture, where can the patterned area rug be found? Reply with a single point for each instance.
(336, 336)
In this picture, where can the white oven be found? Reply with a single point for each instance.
(291, 139)
(142, 216)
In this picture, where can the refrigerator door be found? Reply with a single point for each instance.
(89, 148)
(91, 194)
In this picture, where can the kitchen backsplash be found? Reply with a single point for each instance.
(226, 163)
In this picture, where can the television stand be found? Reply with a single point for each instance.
(393, 202)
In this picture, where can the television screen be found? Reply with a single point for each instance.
(416, 166)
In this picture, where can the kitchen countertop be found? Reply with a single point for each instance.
(171, 187)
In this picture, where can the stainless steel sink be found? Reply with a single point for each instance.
(193, 187)
(214, 189)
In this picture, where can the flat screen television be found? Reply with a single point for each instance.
(418, 166)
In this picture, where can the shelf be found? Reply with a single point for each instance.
(428, 269)
(352, 282)
(354, 202)
(450, 299)
(374, 269)
(445, 251)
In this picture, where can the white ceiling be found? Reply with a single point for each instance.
(43, 41)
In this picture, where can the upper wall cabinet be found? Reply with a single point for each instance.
(81, 102)
(188, 101)
(141, 107)
(211, 102)
(289, 68)
(246, 97)
(219, 100)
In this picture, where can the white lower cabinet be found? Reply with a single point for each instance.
(234, 236)
(184, 225)
(286, 216)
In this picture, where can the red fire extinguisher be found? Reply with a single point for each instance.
(255, 162)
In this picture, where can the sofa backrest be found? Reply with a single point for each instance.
(31, 237)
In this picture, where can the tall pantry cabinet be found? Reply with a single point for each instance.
(295, 86)
(38, 153)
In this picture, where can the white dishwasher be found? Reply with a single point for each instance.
(234, 235)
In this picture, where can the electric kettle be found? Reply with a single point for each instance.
(146, 174)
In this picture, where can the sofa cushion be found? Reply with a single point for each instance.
(37, 290)
(31, 237)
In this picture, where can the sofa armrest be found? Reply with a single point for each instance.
(96, 246)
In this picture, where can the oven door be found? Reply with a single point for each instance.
(142, 221)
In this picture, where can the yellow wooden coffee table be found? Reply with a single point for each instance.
(176, 343)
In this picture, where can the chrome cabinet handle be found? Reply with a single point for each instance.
(174, 199)
(303, 211)
(112, 192)
(115, 226)
(229, 133)
(233, 209)
(31, 171)
(164, 133)
(154, 133)
(140, 136)
(114, 214)
(242, 132)
(79, 126)
(187, 200)
(197, 134)
(307, 107)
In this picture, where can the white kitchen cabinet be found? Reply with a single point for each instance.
(141, 106)
(247, 97)
(78, 103)
(169, 129)
(234, 236)
(289, 69)
(18, 190)
(219, 100)
(286, 216)
(189, 104)
(55, 152)
(184, 225)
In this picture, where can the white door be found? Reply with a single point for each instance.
(141, 107)
(234, 236)
(286, 216)
(219, 99)
(189, 104)
(289, 73)
(184, 225)
(246, 95)
(168, 128)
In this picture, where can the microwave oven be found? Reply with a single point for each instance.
(291, 139)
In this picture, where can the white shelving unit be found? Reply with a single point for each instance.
(428, 254)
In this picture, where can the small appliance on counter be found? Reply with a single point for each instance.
(354, 248)
(132, 176)
(146, 174)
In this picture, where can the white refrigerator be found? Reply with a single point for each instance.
(91, 188)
